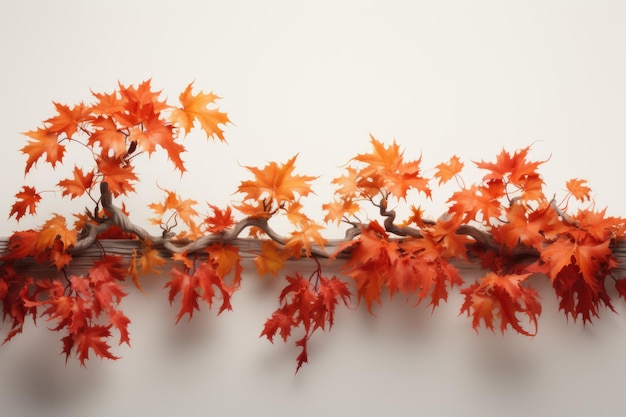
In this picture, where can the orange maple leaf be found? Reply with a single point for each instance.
(78, 185)
(273, 186)
(227, 259)
(302, 239)
(579, 189)
(532, 228)
(67, 120)
(336, 210)
(271, 259)
(591, 257)
(196, 107)
(46, 142)
(27, 199)
(154, 131)
(183, 208)
(118, 175)
(448, 170)
(109, 137)
(511, 168)
(140, 103)
(53, 229)
(385, 169)
(150, 260)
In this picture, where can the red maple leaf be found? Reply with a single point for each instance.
(304, 306)
(90, 338)
(27, 199)
(220, 221)
(500, 298)
(197, 284)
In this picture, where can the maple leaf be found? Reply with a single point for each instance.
(192, 286)
(22, 244)
(118, 175)
(208, 278)
(529, 227)
(331, 291)
(371, 255)
(140, 103)
(46, 142)
(511, 168)
(227, 259)
(590, 256)
(78, 185)
(184, 284)
(271, 259)
(336, 210)
(347, 183)
(301, 239)
(276, 182)
(598, 225)
(109, 137)
(91, 337)
(386, 170)
(53, 229)
(133, 272)
(220, 220)
(183, 208)
(576, 297)
(468, 203)
(67, 120)
(196, 107)
(501, 297)
(154, 131)
(150, 260)
(448, 170)
(444, 232)
(27, 199)
(578, 188)
(303, 306)
(282, 322)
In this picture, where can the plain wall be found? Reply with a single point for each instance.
(442, 78)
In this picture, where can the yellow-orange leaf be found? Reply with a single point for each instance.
(276, 183)
(447, 170)
(271, 259)
(579, 189)
(337, 209)
(227, 259)
(196, 107)
(302, 239)
(150, 260)
(54, 229)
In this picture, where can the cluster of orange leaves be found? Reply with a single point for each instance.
(524, 233)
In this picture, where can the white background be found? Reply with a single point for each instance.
(442, 78)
